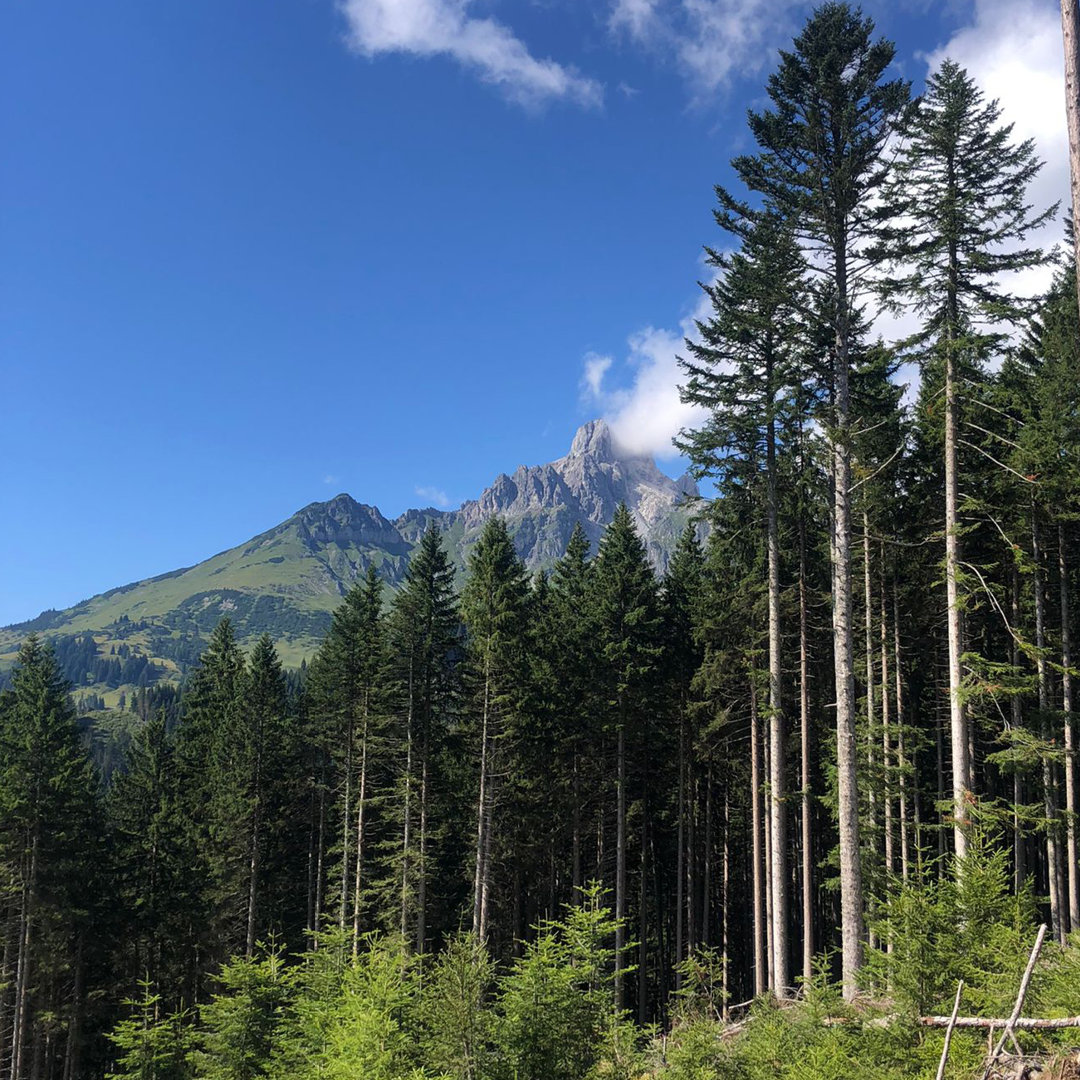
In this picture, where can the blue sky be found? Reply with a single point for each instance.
(256, 252)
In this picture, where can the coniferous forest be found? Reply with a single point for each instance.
(758, 816)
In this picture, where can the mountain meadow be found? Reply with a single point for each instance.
(765, 772)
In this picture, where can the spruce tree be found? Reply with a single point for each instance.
(50, 832)
(423, 641)
(960, 187)
(743, 372)
(626, 612)
(819, 168)
(494, 608)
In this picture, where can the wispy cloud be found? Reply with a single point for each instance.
(330, 478)
(710, 41)
(428, 28)
(436, 496)
(646, 414)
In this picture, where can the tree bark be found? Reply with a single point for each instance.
(1049, 796)
(620, 861)
(361, 805)
(804, 778)
(680, 858)
(777, 733)
(480, 878)
(1072, 880)
(1070, 34)
(871, 706)
(757, 848)
(901, 720)
(961, 761)
(1016, 709)
(851, 888)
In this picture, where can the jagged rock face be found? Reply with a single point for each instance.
(586, 485)
(344, 522)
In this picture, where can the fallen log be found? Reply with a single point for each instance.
(1022, 1023)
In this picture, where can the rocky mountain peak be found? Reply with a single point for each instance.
(594, 440)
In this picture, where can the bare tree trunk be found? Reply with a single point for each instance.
(253, 877)
(406, 809)
(256, 844)
(777, 733)
(886, 733)
(643, 924)
(421, 853)
(680, 858)
(961, 761)
(707, 860)
(851, 889)
(1049, 799)
(480, 879)
(361, 805)
(901, 720)
(1072, 880)
(725, 885)
(575, 869)
(620, 862)
(1070, 33)
(804, 779)
(767, 828)
(1019, 840)
(346, 820)
(23, 967)
(757, 848)
(871, 708)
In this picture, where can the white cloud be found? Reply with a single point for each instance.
(330, 478)
(647, 414)
(596, 367)
(710, 41)
(435, 495)
(444, 28)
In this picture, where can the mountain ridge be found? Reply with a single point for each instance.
(288, 579)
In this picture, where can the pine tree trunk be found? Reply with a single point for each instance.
(851, 889)
(361, 806)
(346, 822)
(575, 870)
(707, 860)
(643, 924)
(1016, 708)
(24, 963)
(406, 829)
(777, 733)
(1070, 33)
(253, 878)
(725, 874)
(620, 861)
(1049, 795)
(902, 762)
(958, 729)
(680, 858)
(480, 878)
(766, 826)
(871, 707)
(256, 844)
(757, 853)
(804, 728)
(72, 1051)
(886, 734)
(1071, 875)
(421, 854)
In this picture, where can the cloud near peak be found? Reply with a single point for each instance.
(429, 28)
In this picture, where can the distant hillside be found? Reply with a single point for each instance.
(287, 580)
